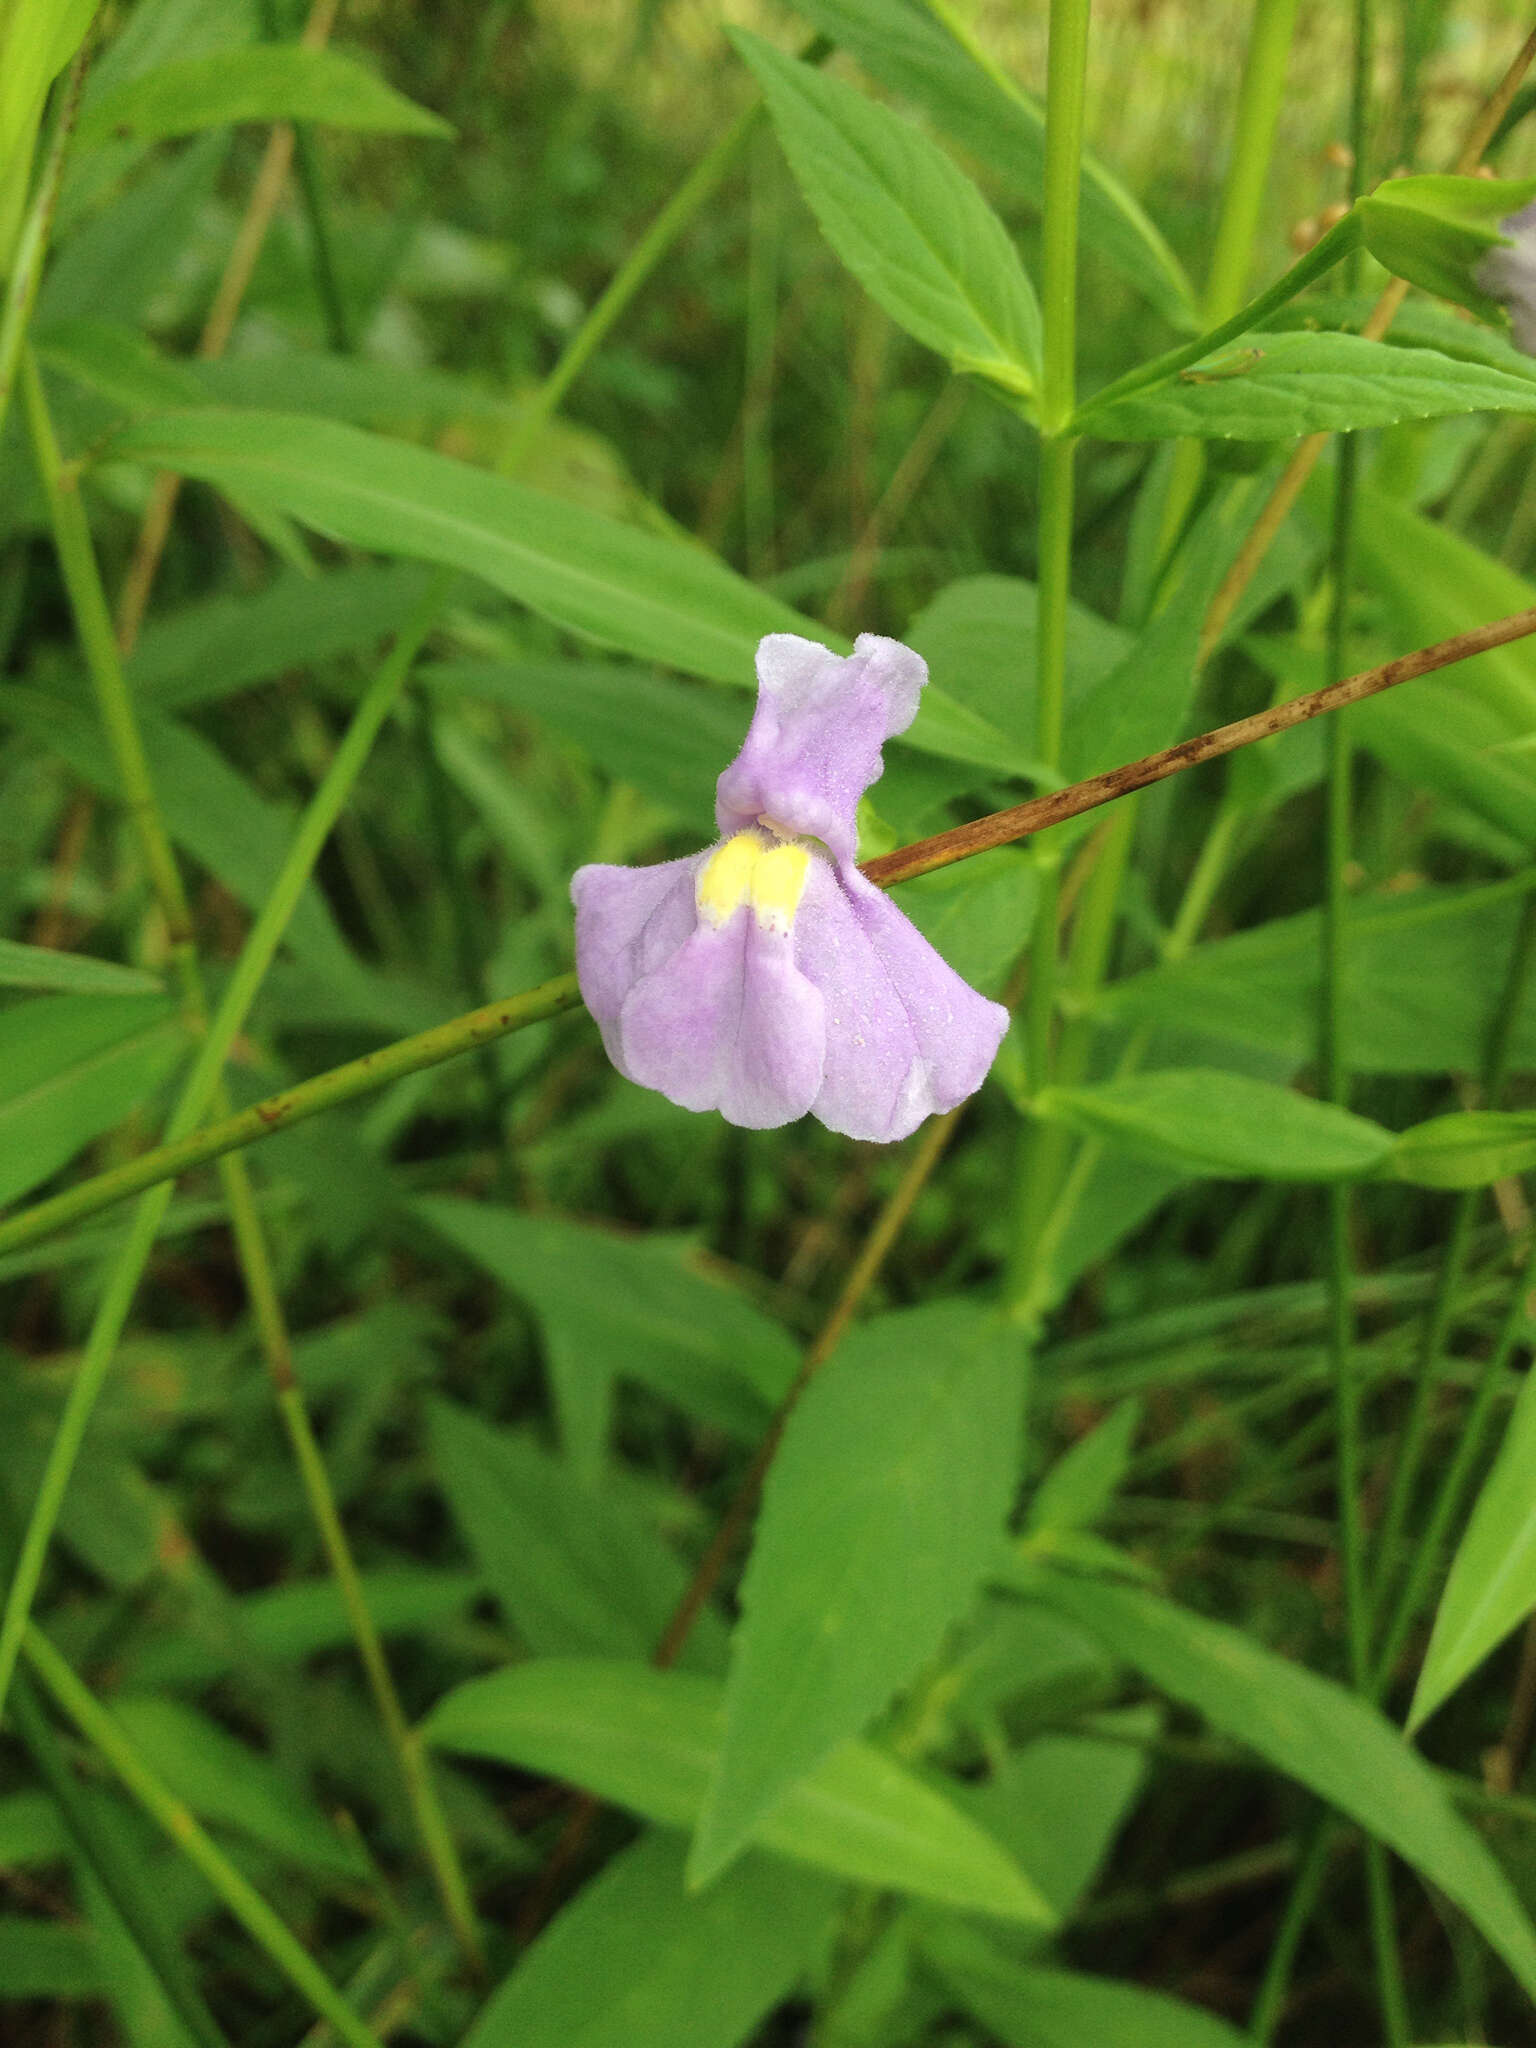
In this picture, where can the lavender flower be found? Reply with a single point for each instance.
(765, 976)
(1508, 274)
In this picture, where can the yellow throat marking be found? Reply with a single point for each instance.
(747, 868)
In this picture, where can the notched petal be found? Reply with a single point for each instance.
(813, 747)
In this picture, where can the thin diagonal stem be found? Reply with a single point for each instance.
(201, 1089)
(191, 1838)
(1438, 1322)
(1066, 74)
(239, 266)
(32, 243)
(532, 1006)
(122, 1883)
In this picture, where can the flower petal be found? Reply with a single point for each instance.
(905, 1035)
(728, 1022)
(813, 746)
(1509, 275)
(628, 920)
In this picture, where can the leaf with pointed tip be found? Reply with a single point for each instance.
(1492, 1586)
(908, 223)
(1467, 1149)
(649, 1740)
(635, 1961)
(1221, 1123)
(659, 599)
(1287, 385)
(79, 974)
(1026, 2007)
(1326, 1738)
(73, 1066)
(882, 1509)
(267, 82)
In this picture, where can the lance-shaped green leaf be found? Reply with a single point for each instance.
(650, 1739)
(1314, 1731)
(906, 47)
(1492, 1586)
(659, 599)
(71, 973)
(1466, 1150)
(911, 227)
(1436, 231)
(224, 1781)
(577, 1568)
(268, 82)
(1214, 1122)
(1282, 386)
(636, 1962)
(73, 1066)
(655, 1318)
(1027, 2007)
(882, 1508)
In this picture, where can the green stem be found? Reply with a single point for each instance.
(1455, 1481)
(1258, 111)
(294, 1105)
(1306, 1890)
(1242, 199)
(1066, 75)
(202, 1088)
(1339, 242)
(333, 307)
(471, 969)
(1442, 1309)
(410, 1759)
(658, 238)
(118, 1878)
(93, 623)
(183, 1828)
(1333, 1064)
(32, 244)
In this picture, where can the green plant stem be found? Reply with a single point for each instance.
(1442, 1309)
(1338, 243)
(461, 911)
(512, 1013)
(1258, 111)
(1242, 200)
(93, 623)
(1333, 1065)
(1055, 1202)
(32, 244)
(201, 1089)
(121, 1882)
(658, 238)
(1455, 1481)
(1066, 74)
(1306, 1890)
(182, 1826)
(1437, 1326)
(374, 1070)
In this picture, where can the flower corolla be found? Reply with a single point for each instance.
(1508, 274)
(765, 977)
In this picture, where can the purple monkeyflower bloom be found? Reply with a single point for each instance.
(1509, 275)
(765, 976)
